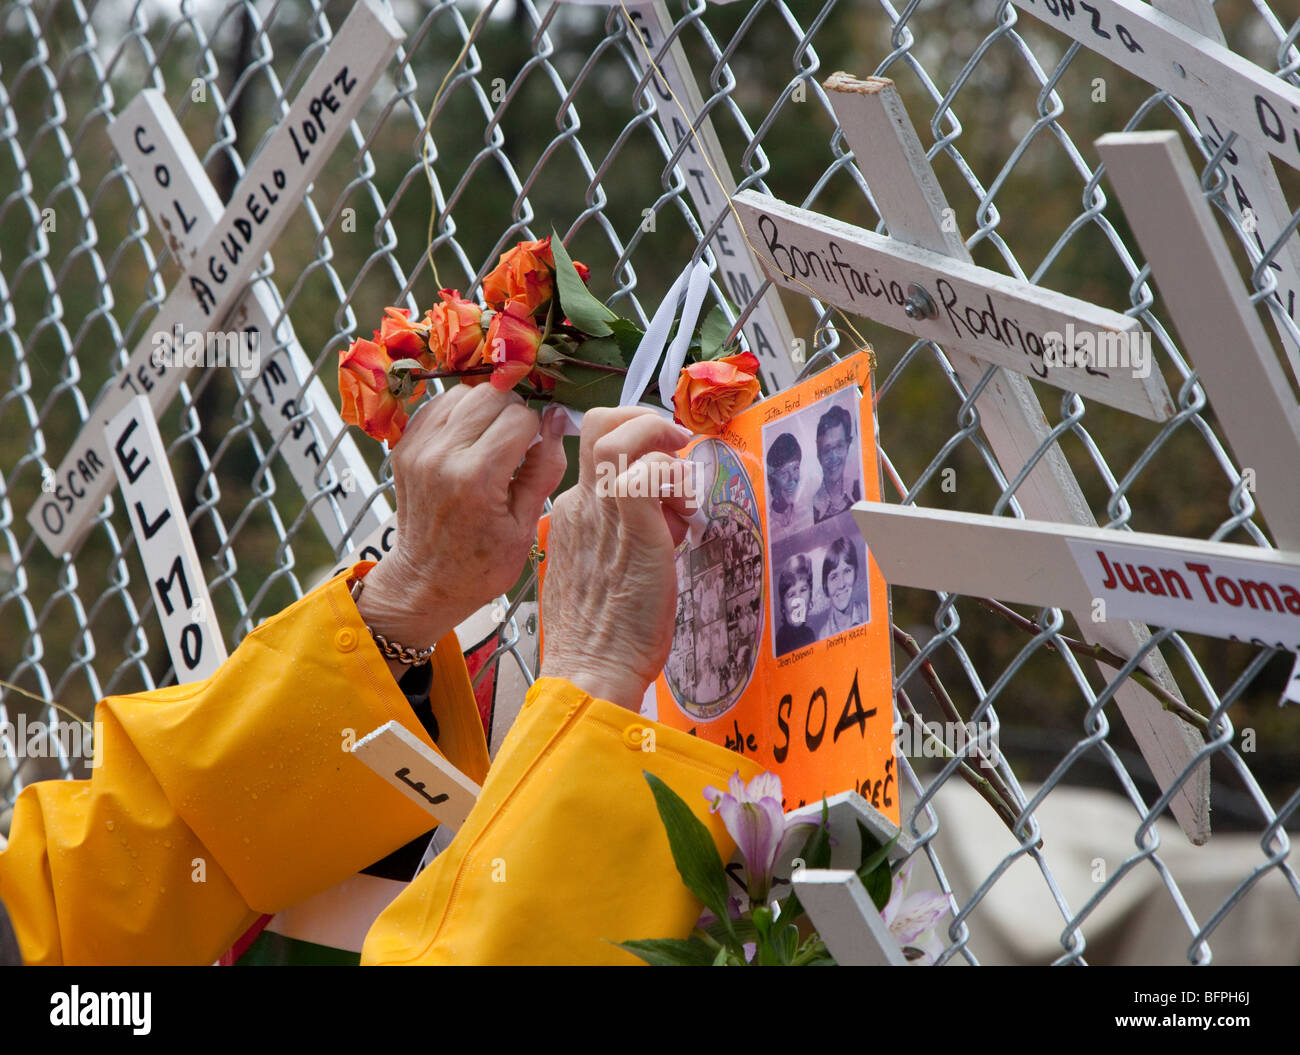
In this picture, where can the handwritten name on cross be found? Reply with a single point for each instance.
(217, 277)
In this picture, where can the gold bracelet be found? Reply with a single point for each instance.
(411, 657)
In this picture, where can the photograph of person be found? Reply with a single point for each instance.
(794, 587)
(820, 584)
(834, 440)
(788, 512)
(840, 574)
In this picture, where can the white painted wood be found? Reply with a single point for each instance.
(844, 812)
(419, 773)
(847, 921)
(711, 184)
(162, 535)
(181, 200)
(340, 917)
(1220, 329)
(979, 311)
(892, 159)
(1057, 565)
(1255, 196)
(372, 547)
(1291, 694)
(212, 283)
(1195, 68)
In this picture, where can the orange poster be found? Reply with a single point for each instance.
(781, 649)
(782, 644)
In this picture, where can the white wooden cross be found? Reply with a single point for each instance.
(1254, 196)
(1222, 335)
(162, 535)
(216, 279)
(1222, 589)
(709, 180)
(292, 402)
(1189, 65)
(916, 213)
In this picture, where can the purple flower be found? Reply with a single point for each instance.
(912, 919)
(756, 822)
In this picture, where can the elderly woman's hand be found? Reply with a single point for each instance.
(611, 587)
(469, 494)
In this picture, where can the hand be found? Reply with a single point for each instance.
(467, 511)
(610, 597)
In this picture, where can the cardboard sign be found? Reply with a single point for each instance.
(162, 535)
(1255, 103)
(983, 312)
(217, 277)
(182, 201)
(711, 186)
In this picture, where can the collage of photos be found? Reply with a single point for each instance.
(719, 592)
(813, 466)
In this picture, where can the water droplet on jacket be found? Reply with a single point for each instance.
(109, 825)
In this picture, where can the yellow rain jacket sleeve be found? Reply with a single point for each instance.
(218, 801)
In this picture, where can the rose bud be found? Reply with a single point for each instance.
(524, 275)
(710, 394)
(368, 400)
(511, 345)
(404, 338)
(456, 331)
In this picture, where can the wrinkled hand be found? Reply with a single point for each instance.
(467, 511)
(610, 596)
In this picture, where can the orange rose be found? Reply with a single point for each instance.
(404, 338)
(511, 345)
(524, 275)
(368, 402)
(456, 332)
(710, 394)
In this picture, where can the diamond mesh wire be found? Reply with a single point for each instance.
(539, 116)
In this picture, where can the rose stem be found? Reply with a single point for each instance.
(940, 694)
(1167, 699)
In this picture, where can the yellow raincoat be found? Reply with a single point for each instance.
(218, 801)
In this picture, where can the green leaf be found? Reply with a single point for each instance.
(873, 854)
(693, 850)
(603, 350)
(713, 334)
(628, 334)
(742, 928)
(670, 952)
(582, 309)
(786, 944)
(879, 884)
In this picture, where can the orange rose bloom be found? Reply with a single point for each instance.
(524, 275)
(456, 332)
(710, 394)
(511, 345)
(404, 338)
(367, 401)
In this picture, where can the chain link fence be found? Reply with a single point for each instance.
(504, 119)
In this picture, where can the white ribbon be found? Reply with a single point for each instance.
(693, 285)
